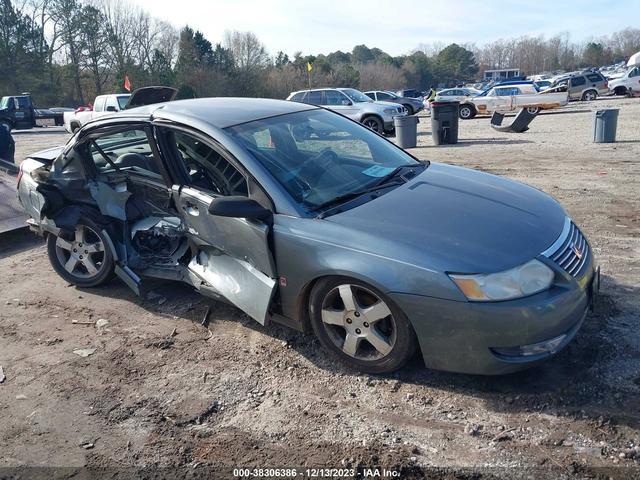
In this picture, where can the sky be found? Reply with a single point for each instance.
(397, 27)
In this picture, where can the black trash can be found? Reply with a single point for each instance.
(605, 124)
(406, 131)
(444, 122)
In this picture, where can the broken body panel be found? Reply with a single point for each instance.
(155, 228)
(515, 97)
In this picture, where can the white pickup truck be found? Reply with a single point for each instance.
(508, 98)
(113, 103)
(626, 84)
(102, 105)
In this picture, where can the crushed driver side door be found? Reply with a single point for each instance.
(232, 255)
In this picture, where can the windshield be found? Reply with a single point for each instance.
(355, 95)
(318, 156)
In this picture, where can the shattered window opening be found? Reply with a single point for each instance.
(207, 169)
(125, 150)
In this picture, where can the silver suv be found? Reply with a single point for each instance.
(352, 103)
(584, 86)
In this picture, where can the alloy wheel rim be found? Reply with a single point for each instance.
(465, 112)
(82, 255)
(358, 322)
(372, 124)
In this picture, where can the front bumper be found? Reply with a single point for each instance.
(485, 338)
(387, 119)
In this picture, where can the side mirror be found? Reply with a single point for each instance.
(111, 108)
(238, 207)
(346, 102)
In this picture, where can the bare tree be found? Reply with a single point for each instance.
(380, 75)
(248, 52)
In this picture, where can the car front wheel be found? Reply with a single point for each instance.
(533, 110)
(360, 325)
(81, 257)
(466, 112)
(374, 123)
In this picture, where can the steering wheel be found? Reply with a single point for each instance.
(321, 159)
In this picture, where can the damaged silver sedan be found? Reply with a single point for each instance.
(298, 215)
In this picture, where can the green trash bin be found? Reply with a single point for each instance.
(444, 122)
(605, 124)
(406, 131)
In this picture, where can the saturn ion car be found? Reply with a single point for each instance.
(298, 215)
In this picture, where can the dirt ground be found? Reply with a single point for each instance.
(163, 392)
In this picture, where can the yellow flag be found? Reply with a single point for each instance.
(309, 67)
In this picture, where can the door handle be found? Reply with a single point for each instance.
(191, 209)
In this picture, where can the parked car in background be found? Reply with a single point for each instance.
(542, 84)
(413, 105)
(109, 104)
(102, 105)
(582, 86)
(409, 92)
(19, 112)
(508, 98)
(463, 95)
(297, 215)
(352, 103)
(628, 82)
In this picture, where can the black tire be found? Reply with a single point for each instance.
(589, 96)
(374, 123)
(84, 256)
(620, 91)
(466, 111)
(533, 110)
(74, 127)
(399, 339)
(409, 109)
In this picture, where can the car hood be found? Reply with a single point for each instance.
(387, 104)
(457, 220)
(150, 95)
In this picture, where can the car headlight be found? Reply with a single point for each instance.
(522, 281)
(390, 110)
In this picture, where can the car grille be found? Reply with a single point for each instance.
(573, 252)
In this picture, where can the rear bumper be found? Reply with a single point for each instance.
(498, 337)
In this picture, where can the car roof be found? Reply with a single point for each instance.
(221, 112)
(318, 89)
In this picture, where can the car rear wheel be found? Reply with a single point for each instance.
(466, 112)
(360, 325)
(374, 123)
(409, 109)
(81, 257)
(533, 110)
(620, 91)
(589, 95)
